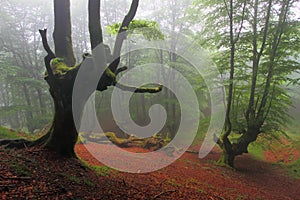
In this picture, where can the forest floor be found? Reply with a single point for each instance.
(35, 173)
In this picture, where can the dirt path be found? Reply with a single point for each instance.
(191, 178)
(35, 173)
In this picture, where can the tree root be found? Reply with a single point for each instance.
(22, 143)
(15, 144)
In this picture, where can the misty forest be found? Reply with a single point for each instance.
(177, 99)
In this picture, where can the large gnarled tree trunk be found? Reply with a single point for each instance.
(62, 136)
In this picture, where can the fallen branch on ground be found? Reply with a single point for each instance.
(163, 193)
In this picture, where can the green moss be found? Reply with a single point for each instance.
(174, 183)
(59, 67)
(91, 137)
(294, 169)
(110, 74)
(89, 183)
(201, 190)
(167, 139)
(257, 150)
(74, 179)
(20, 169)
(114, 139)
(8, 134)
(102, 170)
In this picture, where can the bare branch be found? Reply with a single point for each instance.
(226, 7)
(122, 35)
(276, 42)
(45, 43)
(266, 28)
(163, 193)
(242, 23)
(50, 55)
(270, 104)
(119, 70)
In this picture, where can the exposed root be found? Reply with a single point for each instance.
(16, 144)
(22, 143)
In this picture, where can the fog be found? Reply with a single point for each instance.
(24, 96)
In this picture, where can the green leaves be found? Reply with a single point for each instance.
(149, 29)
(275, 36)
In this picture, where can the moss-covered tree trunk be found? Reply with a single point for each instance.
(63, 134)
(227, 158)
(231, 149)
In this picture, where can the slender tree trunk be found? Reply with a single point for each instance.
(41, 101)
(229, 152)
(16, 121)
(173, 112)
(227, 157)
(29, 115)
(262, 111)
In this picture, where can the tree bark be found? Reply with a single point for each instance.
(122, 35)
(29, 115)
(62, 32)
(95, 28)
(229, 153)
(63, 134)
(227, 159)
(41, 102)
(262, 111)
(232, 149)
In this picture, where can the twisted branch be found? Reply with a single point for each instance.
(122, 35)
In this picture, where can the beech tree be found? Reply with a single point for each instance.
(256, 44)
(62, 136)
